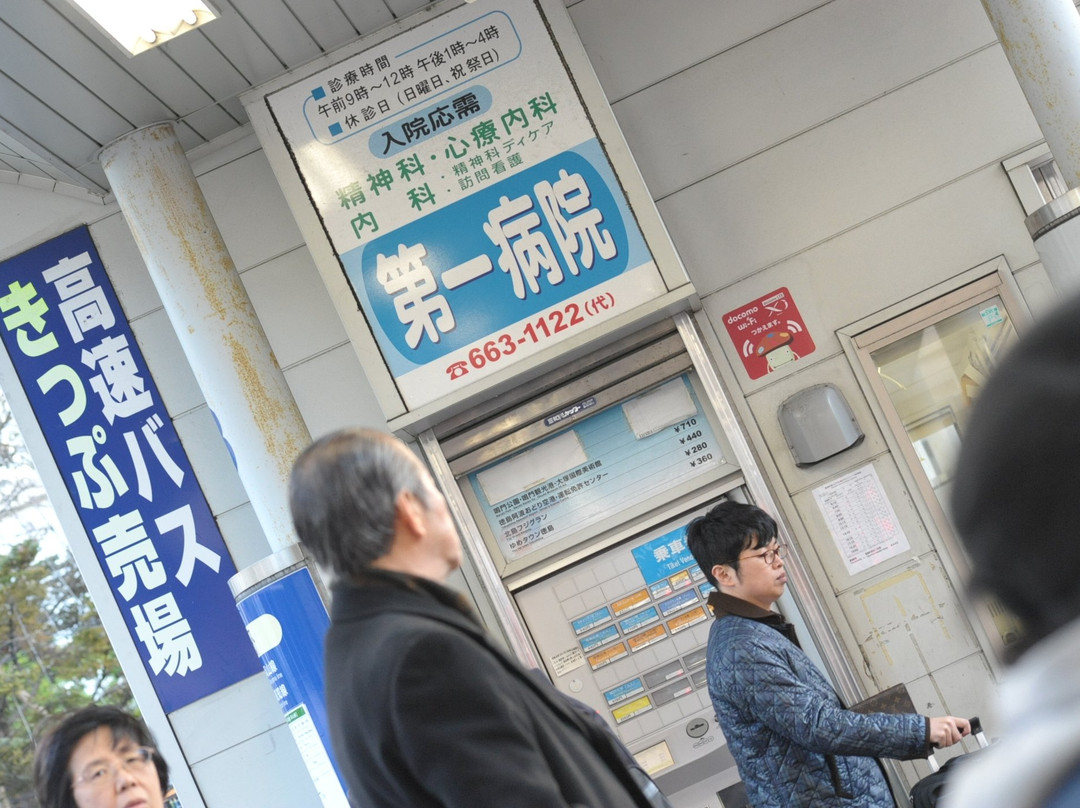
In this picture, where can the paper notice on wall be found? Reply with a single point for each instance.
(861, 519)
(567, 661)
(666, 405)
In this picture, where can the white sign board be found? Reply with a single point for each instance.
(463, 188)
(467, 196)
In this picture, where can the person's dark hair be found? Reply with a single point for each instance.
(52, 780)
(725, 531)
(343, 492)
(1014, 499)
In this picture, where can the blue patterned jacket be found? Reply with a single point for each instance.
(794, 743)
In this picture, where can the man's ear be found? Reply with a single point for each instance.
(409, 513)
(724, 575)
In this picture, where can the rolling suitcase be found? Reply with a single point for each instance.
(927, 792)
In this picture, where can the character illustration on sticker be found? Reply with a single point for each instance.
(775, 348)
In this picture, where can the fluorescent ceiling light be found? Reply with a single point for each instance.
(138, 25)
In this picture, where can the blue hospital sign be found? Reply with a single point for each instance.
(474, 210)
(484, 269)
(126, 472)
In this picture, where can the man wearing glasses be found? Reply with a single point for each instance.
(792, 739)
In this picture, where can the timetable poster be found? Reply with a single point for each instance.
(861, 519)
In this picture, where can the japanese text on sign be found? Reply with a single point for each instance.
(461, 182)
(125, 470)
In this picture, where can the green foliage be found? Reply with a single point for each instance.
(54, 654)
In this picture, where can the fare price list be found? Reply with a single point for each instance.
(694, 440)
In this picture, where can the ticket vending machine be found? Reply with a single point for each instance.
(574, 494)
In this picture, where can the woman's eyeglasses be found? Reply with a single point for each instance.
(137, 761)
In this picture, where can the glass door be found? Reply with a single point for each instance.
(926, 368)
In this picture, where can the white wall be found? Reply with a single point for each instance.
(849, 150)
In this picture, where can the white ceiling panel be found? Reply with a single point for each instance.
(66, 90)
(279, 27)
(325, 22)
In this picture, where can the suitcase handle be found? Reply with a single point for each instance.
(976, 733)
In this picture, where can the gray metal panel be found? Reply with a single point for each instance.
(900, 265)
(599, 386)
(294, 309)
(970, 114)
(166, 79)
(326, 22)
(368, 17)
(50, 85)
(176, 383)
(84, 59)
(243, 47)
(229, 191)
(206, 65)
(332, 392)
(16, 157)
(265, 771)
(211, 460)
(121, 257)
(250, 706)
(402, 8)
(55, 135)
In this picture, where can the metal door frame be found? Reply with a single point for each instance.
(991, 279)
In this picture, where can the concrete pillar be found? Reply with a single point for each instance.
(212, 316)
(1055, 229)
(1041, 39)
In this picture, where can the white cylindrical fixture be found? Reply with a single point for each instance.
(1041, 39)
(212, 315)
(1055, 229)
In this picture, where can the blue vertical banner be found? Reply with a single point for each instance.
(287, 622)
(126, 472)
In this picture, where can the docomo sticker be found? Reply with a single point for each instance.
(768, 333)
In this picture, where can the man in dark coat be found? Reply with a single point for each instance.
(424, 709)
